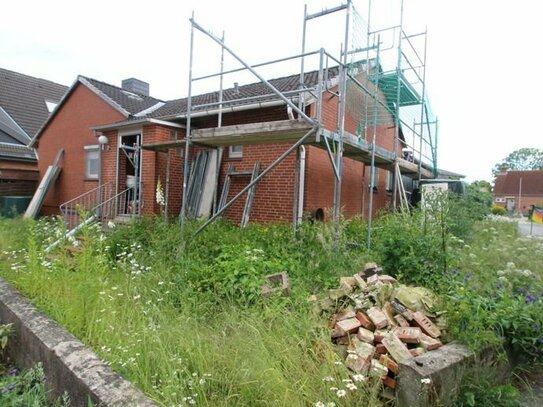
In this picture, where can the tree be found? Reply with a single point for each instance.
(523, 159)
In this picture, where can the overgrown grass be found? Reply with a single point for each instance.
(190, 326)
(183, 318)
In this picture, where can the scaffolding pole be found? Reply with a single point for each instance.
(187, 130)
(397, 109)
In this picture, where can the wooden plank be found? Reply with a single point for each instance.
(252, 133)
(37, 200)
(19, 175)
(47, 181)
(163, 146)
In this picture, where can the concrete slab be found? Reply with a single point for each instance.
(434, 378)
(68, 365)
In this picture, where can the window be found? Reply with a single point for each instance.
(390, 180)
(235, 151)
(375, 179)
(92, 161)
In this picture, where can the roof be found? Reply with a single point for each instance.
(525, 182)
(131, 102)
(16, 152)
(126, 102)
(257, 92)
(24, 99)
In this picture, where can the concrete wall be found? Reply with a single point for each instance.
(67, 363)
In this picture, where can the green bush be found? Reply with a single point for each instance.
(498, 210)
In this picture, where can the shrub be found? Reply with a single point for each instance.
(498, 210)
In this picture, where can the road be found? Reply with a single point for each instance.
(526, 228)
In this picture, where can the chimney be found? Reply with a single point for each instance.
(136, 86)
(236, 88)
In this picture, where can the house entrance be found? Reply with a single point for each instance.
(129, 176)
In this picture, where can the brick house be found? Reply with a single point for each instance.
(517, 191)
(122, 119)
(25, 103)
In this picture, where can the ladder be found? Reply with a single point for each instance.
(231, 172)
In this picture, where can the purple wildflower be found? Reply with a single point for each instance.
(13, 371)
(530, 298)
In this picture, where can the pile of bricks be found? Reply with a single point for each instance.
(374, 329)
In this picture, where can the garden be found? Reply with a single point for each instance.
(182, 316)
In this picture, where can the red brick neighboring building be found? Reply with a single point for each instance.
(517, 191)
(91, 109)
(25, 103)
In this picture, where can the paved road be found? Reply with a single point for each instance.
(526, 228)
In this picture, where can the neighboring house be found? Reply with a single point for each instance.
(517, 191)
(25, 103)
(91, 109)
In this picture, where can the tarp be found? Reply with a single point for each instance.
(537, 214)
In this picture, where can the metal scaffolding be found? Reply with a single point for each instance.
(380, 84)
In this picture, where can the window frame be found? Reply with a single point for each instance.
(92, 153)
(235, 154)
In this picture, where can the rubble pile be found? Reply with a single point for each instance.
(378, 323)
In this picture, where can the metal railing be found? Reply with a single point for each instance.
(84, 203)
(120, 207)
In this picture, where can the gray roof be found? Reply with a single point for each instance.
(129, 101)
(17, 152)
(258, 91)
(23, 98)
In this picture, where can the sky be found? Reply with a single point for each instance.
(482, 66)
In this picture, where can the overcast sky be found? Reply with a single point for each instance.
(483, 62)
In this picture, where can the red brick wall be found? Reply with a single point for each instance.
(355, 194)
(71, 129)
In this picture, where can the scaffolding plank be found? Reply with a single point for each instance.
(252, 133)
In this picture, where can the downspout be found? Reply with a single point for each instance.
(301, 184)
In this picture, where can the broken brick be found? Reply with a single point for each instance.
(336, 333)
(417, 351)
(396, 348)
(408, 334)
(380, 349)
(429, 343)
(378, 317)
(365, 335)
(389, 363)
(365, 321)
(408, 314)
(346, 326)
(346, 314)
(426, 325)
(373, 279)
(389, 382)
(379, 334)
(389, 313)
(401, 321)
(360, 282)
(377, 369)
(347, 283)
(360, 356)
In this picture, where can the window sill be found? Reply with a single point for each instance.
(90, 179)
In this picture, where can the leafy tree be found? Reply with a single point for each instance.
(522, 159)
